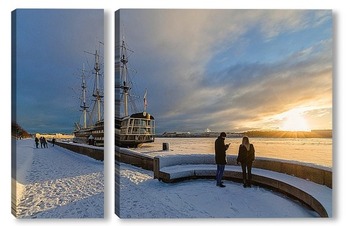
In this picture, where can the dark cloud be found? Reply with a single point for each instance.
(197, 80)
(50, 52)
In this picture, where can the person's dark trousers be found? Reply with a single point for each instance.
(247, 168)
(219, 173)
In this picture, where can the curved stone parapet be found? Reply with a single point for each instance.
(318, 174)
(308, 183)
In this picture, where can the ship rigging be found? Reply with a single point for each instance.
(92, 129)
(132, 129)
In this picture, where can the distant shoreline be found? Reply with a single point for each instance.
(259, 134)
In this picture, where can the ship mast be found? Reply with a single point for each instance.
(83, 106)
(97, 94)
(124, 86)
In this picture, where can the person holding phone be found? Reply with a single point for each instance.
(220, 158)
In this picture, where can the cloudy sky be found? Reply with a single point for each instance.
(232, 70)
(50, 49)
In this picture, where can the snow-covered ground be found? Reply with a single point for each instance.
(141, 196)
(56, 183)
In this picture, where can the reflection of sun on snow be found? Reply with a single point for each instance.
(294, 121)
(19, 189)
(134, 177)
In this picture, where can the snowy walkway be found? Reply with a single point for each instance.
(56, 183)
(141, 196)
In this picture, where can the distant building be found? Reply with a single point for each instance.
(56, 136)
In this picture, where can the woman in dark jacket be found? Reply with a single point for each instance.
(246, 156)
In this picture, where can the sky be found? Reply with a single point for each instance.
(231, 70)
(51, 47)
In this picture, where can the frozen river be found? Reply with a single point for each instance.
(309, 150)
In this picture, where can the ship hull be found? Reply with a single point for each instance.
(97, 132)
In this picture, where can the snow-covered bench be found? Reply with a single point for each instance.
(173, 168)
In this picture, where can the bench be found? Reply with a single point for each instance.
(318, 196)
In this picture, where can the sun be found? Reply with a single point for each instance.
(294, 121)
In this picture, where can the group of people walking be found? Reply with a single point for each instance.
(246, 156)
(43, 142)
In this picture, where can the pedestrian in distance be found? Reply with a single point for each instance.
(246, 156)
(45, 142)
(42, 142)
(220, 158)
(91, 140)
(53, 141)
(36, 142)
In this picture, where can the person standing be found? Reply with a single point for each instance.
(91, 140)
(220, 158)
(53, 141)
(41, 142)
(45, 142)
(36, 142)
(246, 156)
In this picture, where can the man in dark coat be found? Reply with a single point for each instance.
(220, 158)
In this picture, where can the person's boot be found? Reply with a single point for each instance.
(249, 184)
(244, 183)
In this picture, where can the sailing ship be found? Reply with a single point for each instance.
(131, 129)
(91, 131)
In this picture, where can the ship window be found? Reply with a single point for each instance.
(124, 123)
(137, 122)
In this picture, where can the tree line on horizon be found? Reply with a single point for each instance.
(18, 132)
